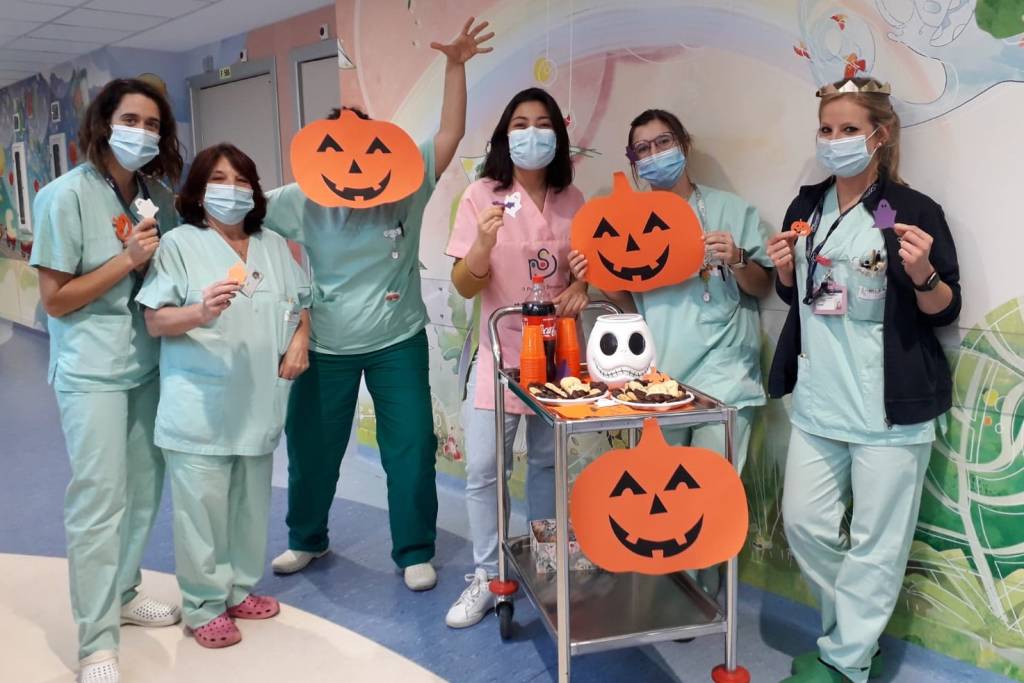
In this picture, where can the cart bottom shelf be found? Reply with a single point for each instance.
(609, 611)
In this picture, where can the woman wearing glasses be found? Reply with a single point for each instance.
(706, 329)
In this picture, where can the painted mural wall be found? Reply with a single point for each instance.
(742, 75)
(70, 87)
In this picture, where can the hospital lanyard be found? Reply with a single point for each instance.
(120, 198)
(813, 252)
(705, 269)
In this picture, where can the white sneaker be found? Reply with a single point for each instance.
(145, 611)
(475, 602)
(420, 577)
(100, 667)
(291, 561)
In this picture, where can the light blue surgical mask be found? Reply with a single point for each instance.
(845, 157)
(133, 147)
(532, 148)
(229, 204)
(662, 170)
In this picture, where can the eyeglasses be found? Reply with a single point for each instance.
(645, 148)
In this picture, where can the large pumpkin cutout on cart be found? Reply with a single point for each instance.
(636, 241)
(355, 162)
(657, 509)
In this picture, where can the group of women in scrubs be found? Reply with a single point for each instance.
(188, 341)
(869, 269)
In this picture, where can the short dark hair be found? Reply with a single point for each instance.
(335, 113)
(94, 133)
(190, 200)
(498, 164)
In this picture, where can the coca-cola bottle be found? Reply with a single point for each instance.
(539, 310)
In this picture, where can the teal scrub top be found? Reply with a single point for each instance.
(104, 345)
(365, 265)
(839, 391)
(220, 393)
(714, 346)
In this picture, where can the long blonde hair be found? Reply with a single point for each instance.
(881, 113)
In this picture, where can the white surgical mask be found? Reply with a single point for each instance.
(845, 157)
(133, 147)
(229, 204)
(532, 148)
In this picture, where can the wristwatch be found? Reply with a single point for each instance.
(742, 263)
(930, 284)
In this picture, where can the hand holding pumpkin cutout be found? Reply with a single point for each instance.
(355, 163)
(659, 509)
(637, 241)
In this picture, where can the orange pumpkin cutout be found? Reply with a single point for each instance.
(658, 509)
(637, 241)
(355, 162)
(122, 227)
(801, 228)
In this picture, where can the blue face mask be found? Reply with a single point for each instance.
(532, 148)
(229, 204)
(845, 157)
(662, 170)
(133, 147)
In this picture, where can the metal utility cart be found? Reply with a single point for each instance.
(594, 611)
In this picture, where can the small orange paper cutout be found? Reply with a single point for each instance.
(802, 228)
(355, 163)
(637, 241)
(659, 509)
(237, 273)
(123, 227)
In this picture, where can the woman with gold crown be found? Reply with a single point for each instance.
(869, 270)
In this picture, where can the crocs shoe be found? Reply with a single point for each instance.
(255, 607)
(291, 561)
(221, 632)
(420, 577)
(100, 667)
(145, 611)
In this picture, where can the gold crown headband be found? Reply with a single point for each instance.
(849, 86)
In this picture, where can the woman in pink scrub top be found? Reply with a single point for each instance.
(512, 224)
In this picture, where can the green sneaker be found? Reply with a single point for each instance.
(807, 659)
(817, 672)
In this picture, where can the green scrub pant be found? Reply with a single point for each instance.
(712, 437)
(857, 580)
(116, 481)
(221, 510)
(320, 412)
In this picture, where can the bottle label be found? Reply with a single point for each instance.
(548, 327)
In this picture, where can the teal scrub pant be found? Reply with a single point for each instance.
(221, 511)
(116, 481)
(712, 437)
(856, 580)
(320, 411)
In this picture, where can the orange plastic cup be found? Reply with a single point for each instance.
(567, 348)
(532, 361)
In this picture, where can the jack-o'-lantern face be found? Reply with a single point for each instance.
(355, 162)
(657, 509)
(637, 241)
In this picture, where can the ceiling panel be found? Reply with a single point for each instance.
(159, 8)
(33, 58)
(11, 29)
(100, 36)
(51, 45)
(116, 20)
(22, 10)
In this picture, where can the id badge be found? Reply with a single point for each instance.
(831, 302)
(252, 283)
(292, 318)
